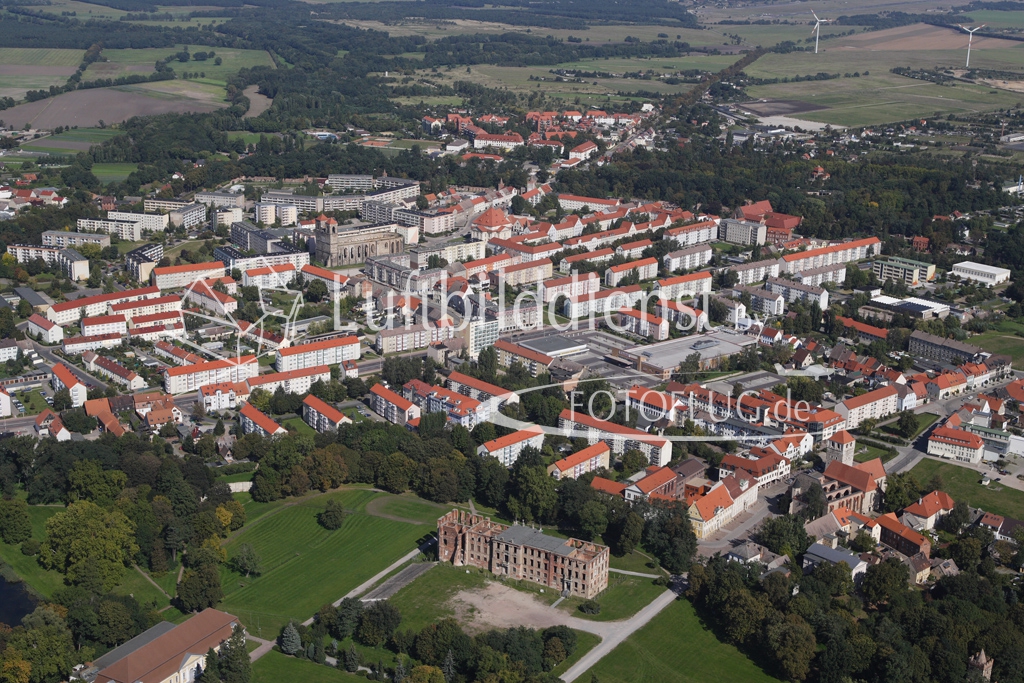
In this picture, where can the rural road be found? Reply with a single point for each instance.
(618, 632)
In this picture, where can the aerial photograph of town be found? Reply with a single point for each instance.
(465, 341)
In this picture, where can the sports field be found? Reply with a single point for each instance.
(23, 69)
(962, 483)
(674, 647)
(305, 566)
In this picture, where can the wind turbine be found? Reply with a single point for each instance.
(817, 29)
(970, 32)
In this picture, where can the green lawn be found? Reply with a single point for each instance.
(246, 137)
(963, 484)
(112, 173)
(275, 667)
(426, 599)
(42, 580)
(33, 401)
(410, 508)
(924, 421)
(624, 597)
(585, 642)
(296, 424)
(235, 478)
(254, 510)
(871, 453)
(136, 585)
(634, 562)
(1003, 340)
(305, 566)
(674, 647)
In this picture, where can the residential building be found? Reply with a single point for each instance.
(141, 261)
(657, 482)
(77, 345)
(721, 504)
(685, 318)
(393, 407)
(619, 438)
(73, 265)
(291, 381)
(819, 553)
(461, 410)
(173, 277)
(129, 231)
(645, 269)
(643, 324)
(115, 371)
(835, 254)
(794, 291)
(44, 330)
(870, 406)
(223, 396)
(690, 258)
(743, 232)
(255, 422)
(602, 302)
(144, 309)
(221, 199)
(684, 285)
(152, 222)
(765, 470)
(321, 416)
(63, 378)
(534, 361)
(570, 566)
(327, 352)
(902, 538)
(507, 448)
(755, 271)
(63, 239)
(911, 273)
(104, 324)
(956, 444)
(928, 511)
(979, 272)
(481, 391)
(590, 459)
(203, 294)
(179, 380)
(571, 286)
(335, 281)
(269, 276)
(930, 346)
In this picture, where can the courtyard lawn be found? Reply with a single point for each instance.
(43, 581)
(924, 421)
(235, 478)
(33, 401)
(306, 566)
(426, 599)
(962, 483)
(871, 453)
(296, 424)
(675, 647)
(275, 667)
(624, 597)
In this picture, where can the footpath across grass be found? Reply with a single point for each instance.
(675, 647)
(963, 483)
(624, 597)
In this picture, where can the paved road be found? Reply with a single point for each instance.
(47, 353)
(629, 573)
(265, 647)
(614, 633)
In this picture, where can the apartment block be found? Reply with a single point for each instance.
(179, 380)
(393, 407)
(321, 416)
(690, 258)
(794, 291)
(173, 277)
(757, 271)
(63, 239)
(870, 406)
(910, 273)
(507, 448)
(327, 352)
(684, 285)
(255, 422)
(646, 269)
(152, 222)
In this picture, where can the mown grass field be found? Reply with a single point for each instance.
(1003, 340)
(305, 566)
(43, 581)
(275, 667)
(112, 173)
(963, 484)
(924, 421)
(426, 599)
(624, 597)
(141, 61)
(296, 425)
(871, 453)
(674, 647)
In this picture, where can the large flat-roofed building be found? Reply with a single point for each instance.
(141, 261)
(579, 568)
(171, 277)
(979, 272)
(886, 307)
(576, 424)
(450, 252)
(930, 346)
(222, 199)
(663, 358)
(755, 271)
(154, 222)
(64, 239)
(236, 259)
(73, 265)
(911, 273)
(327, 352)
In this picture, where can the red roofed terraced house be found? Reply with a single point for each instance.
(870, 406)
(327, 352)
(290, 381)
(192, 377)
(167, 653)
(865, 333)
(508, 448)
(956, 444)
(507, 141)
(63, 378)
(832, 255)
(171, 277)
(901, 538)
(321, 416)
(253, 421)
(44, 330)
(619, 438)
(146, 307)
(393, 407)
(684, 285)
(203, 294)
(104, 324)
(590, 459)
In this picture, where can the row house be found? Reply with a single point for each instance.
(327, 352)
(571, 286)
(593, 258)
(68, 312)
(794, 291)
(684, 285)
(255, 422)
(643, 324)
(602, 302)
(687, 259)
(508, 448)
(873, 405)
(176, 354)
(187, 378)
(461, 410)
(115, 371)
(619, 438)
(321, 416)
(172, 317)
(756, 271)
(77, 345)
(590, 459)
(290, 381)
(393, 407)
(846, 252)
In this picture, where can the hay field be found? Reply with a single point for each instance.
(141, 61)
(23, 69)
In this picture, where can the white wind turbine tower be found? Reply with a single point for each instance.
(970, 32)
(817, 29)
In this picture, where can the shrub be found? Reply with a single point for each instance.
(30, 547)
(590, 607)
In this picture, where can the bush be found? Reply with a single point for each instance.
(590, 607)
(30, 547)
(332, 517)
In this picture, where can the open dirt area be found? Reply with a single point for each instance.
(498, 606)
(257, 103)
(919, 37)
(86, 108)
(35, 70)
(780, 107)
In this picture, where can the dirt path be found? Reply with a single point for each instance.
(150, 579)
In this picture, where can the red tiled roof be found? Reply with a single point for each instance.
(317, 346)
(870, 397)
(328, 411)
(524, 352)
(261, 420)
(209, 365)
(842, 436)
(717, 498)
(930, 504)
(188, 268)
(515, 437)
(101, 298)
(656, 479)
(66, 377)
(607, 486)
(582, 456)
(42, 322)
(956, 437)
(391, 397)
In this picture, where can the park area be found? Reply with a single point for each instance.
(675, 647)
(963, 483)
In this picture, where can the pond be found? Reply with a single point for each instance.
(15, 602)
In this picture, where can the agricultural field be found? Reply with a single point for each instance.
(305, 566)
(962, 483)
(127, 62)
(23, 69)
(881, 96)
(70, 142)
(113, 172)
(674, 647)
